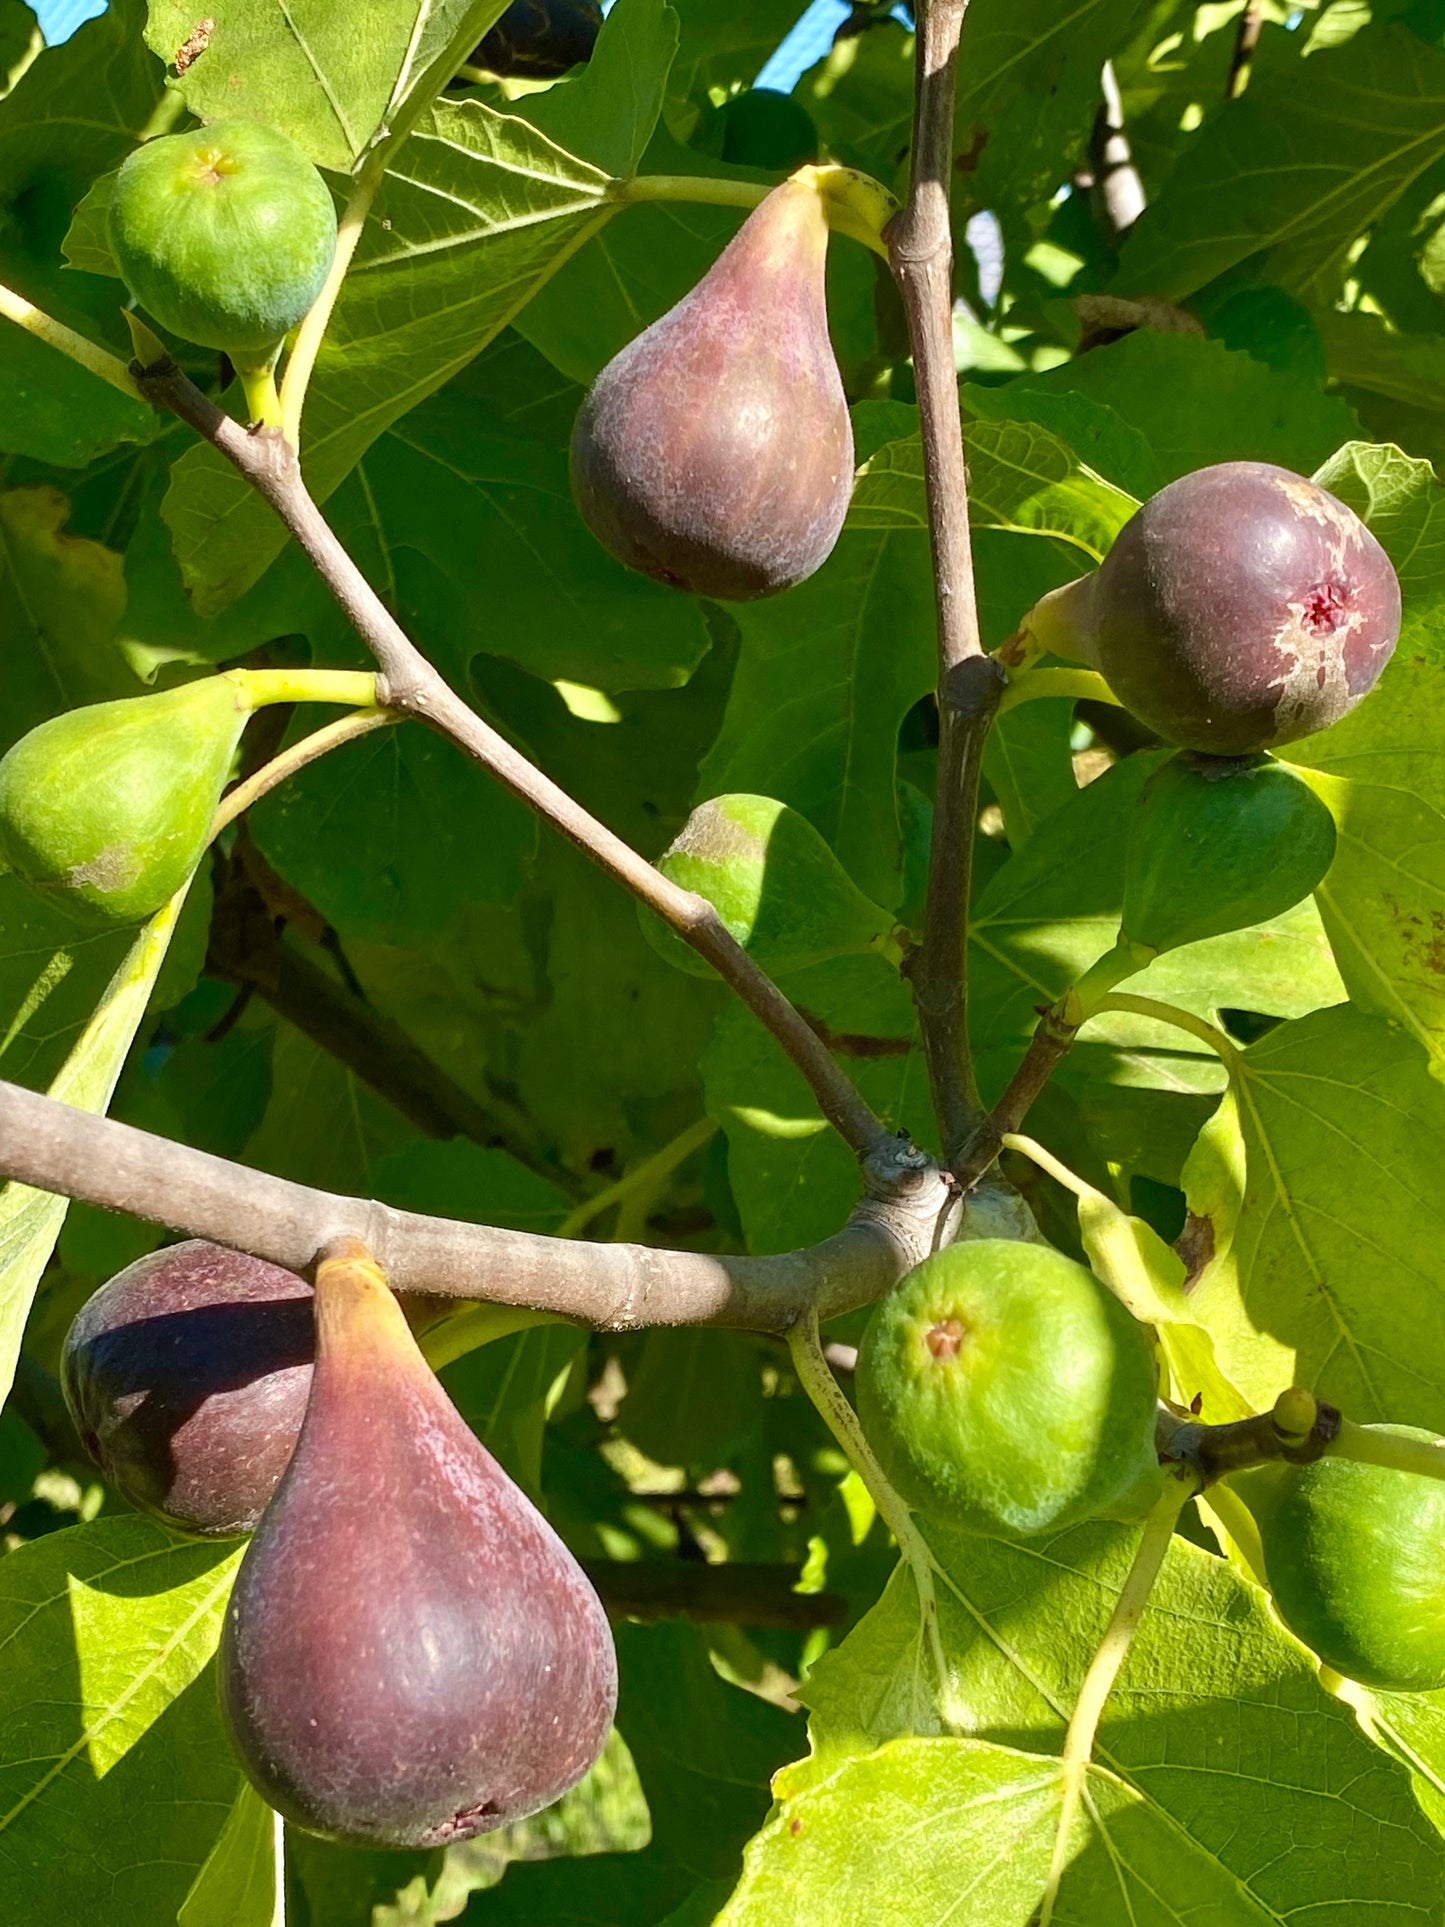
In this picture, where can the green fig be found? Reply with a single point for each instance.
(715, 451)
(1219, 844)
(224, 235)
(410, 1655)
(107, 810)
(775, 883)
(1215, 844)
(1355, 1558)
(1006, 1391)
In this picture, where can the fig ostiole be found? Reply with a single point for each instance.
(410, 1655)
(715, 451)
(1241, 608)
(1006, 1391)
(187, 1376)
(775, 884)
(1355, 1558)
(106, 810)
(224, 235)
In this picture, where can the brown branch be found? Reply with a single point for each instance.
(1117, 186)
(617, 1287)
(246, 949)
(409, 683)
(920, 245)
(1246, 39)
(1049, 1045)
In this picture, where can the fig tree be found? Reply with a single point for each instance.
(1006, 1391)
(1240, 608)
(715, 451)
(411, 1655)
(539, 39)
(187, 1378)
(224, 235)
(775, 883)
(1355, 1558)
(107, 810)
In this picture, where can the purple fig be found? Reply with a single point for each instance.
(187, 1377)
(1240, 608)
(411, 1655)
(715, 451)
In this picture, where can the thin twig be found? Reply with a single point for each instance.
(411, 684)
(613, 1286)
(14, 307)
(1246, 39)
(920, 245)
(1047, 1049)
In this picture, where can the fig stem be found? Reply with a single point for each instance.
(816, 1378)
(647, 1174)
(1089, 994)
(1163, 1013)
(1112, 1651)
(853, 203)
(361, 723)
(1078, 685)
(1369, 1447)
(410, 683)
(306, 345)
(258, 384)
(89, 354)
(356, 688)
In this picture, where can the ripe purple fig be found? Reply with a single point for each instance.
(1240, 608)
(187, 1377)
(411, 1655)
(715, 451)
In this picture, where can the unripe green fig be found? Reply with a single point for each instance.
(539, 39)
(187, 1377)
(715, 451)
(410, 1655)
(224, 235)
(1355, 1558)
(1006, 1391)
(775, 883)
(1240, 608)
(1218, 844)
(107, 810)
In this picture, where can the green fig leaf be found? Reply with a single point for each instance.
(776, 885)
(111, 1729)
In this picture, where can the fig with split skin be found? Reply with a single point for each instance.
(411, 1655)
(224, 235)
(106, 810)
(540, 39)
(1355, 1559)
(187, 1377)
(1242, 607)
(775, 883)
(1006, 1391)
(715, 451)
